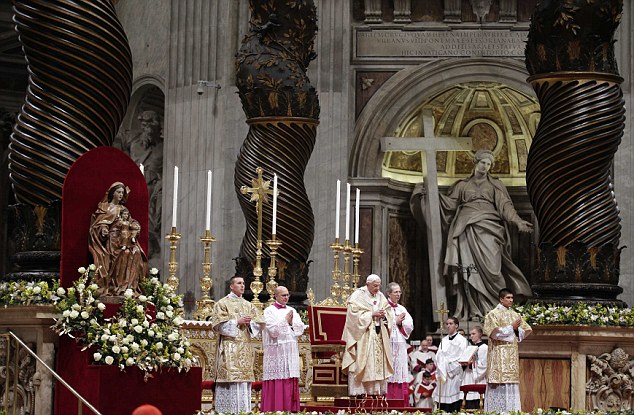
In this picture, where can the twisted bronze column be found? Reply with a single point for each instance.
(80, 78)
(571, 59)
(282, 111)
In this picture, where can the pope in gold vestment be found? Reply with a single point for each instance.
(503, 371)
(368, 356)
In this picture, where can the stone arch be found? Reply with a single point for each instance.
(407, 89)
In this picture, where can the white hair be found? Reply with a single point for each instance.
(372, 278)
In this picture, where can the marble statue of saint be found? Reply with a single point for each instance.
(146, 148)
(477, 211)
(120, 260)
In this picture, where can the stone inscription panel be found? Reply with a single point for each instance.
(422, 44)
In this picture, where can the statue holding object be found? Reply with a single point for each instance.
(121, 262)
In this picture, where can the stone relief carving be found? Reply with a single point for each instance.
(610, 386)
(21, 395)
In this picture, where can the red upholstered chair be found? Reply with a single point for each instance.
(478, 388)
(326, 324)
(209, 385)
(256, 388)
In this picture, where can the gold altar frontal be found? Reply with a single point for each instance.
(576, 367)
(204, 342)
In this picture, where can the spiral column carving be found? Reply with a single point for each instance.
(80, 79)
(282, 111)
(570, 56)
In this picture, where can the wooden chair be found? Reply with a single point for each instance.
(326, 324)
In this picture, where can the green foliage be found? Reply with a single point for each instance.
(579, 314)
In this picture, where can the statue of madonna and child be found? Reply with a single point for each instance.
(121, 262)
(476, 212)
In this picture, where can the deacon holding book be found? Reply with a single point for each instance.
(505, 328)
(367, 359)
(449, 368)
(398, 383)
(236, 321)
(280, 389)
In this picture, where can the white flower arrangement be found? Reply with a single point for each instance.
(132, 337)
(30, 293)
(579, 314)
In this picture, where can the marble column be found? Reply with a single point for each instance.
(453, 11)
(373, 11)
(402, 11)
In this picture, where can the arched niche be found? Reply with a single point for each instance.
(141, 137)
(404, 92)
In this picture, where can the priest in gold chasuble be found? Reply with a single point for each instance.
(367, 358)
(237, 321)
(505, 329)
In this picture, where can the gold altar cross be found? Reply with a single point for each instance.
(259, 191)
(442, 312)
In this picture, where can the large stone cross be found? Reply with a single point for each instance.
(430, 144)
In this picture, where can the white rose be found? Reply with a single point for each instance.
(74, 314)
(112, 338)
(142, 298)
(129, 361)
(109, 360)
(159, 345)
(81, 286)
(159, 335)
(170, 308)
(124, 349)
(140, 308)
(130, 338)
(169, 313)
(128, 293)
(76, 307)
(153, 271)
(134, 321)
(172, 336)
(61, 291)
(143, 342)
(160, 315)
(178, 321)
(66, 313)
(176, 356)
(138, 329)
(96, 356)
(116, 349)
(150, 333)
(93, 287)
(101, 306)
(37, 290)
(146, 323)
(81, 270)
(125, 341)
(85, 315)
(104, 337)
(93, 321)
(135, 346)
(92, 267)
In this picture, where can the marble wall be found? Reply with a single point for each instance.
(177, 42)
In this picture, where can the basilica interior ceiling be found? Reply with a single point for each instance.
(495, 116)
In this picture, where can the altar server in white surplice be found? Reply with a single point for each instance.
(398, 383)
(475, 373)
(280, 389)
(449, 371)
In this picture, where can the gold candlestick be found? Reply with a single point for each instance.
(205, 304)
(346, 291)
(256, 285)
(335, 288)
(356, 258)
(273, 245)
(173, 237)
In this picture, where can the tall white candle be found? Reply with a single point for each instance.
(356, 218)
(337, 209)
(142, 169)
(274, 227)
(347, 211)
(208, 211)
(174, 206)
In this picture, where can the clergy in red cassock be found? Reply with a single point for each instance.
(280, 389)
